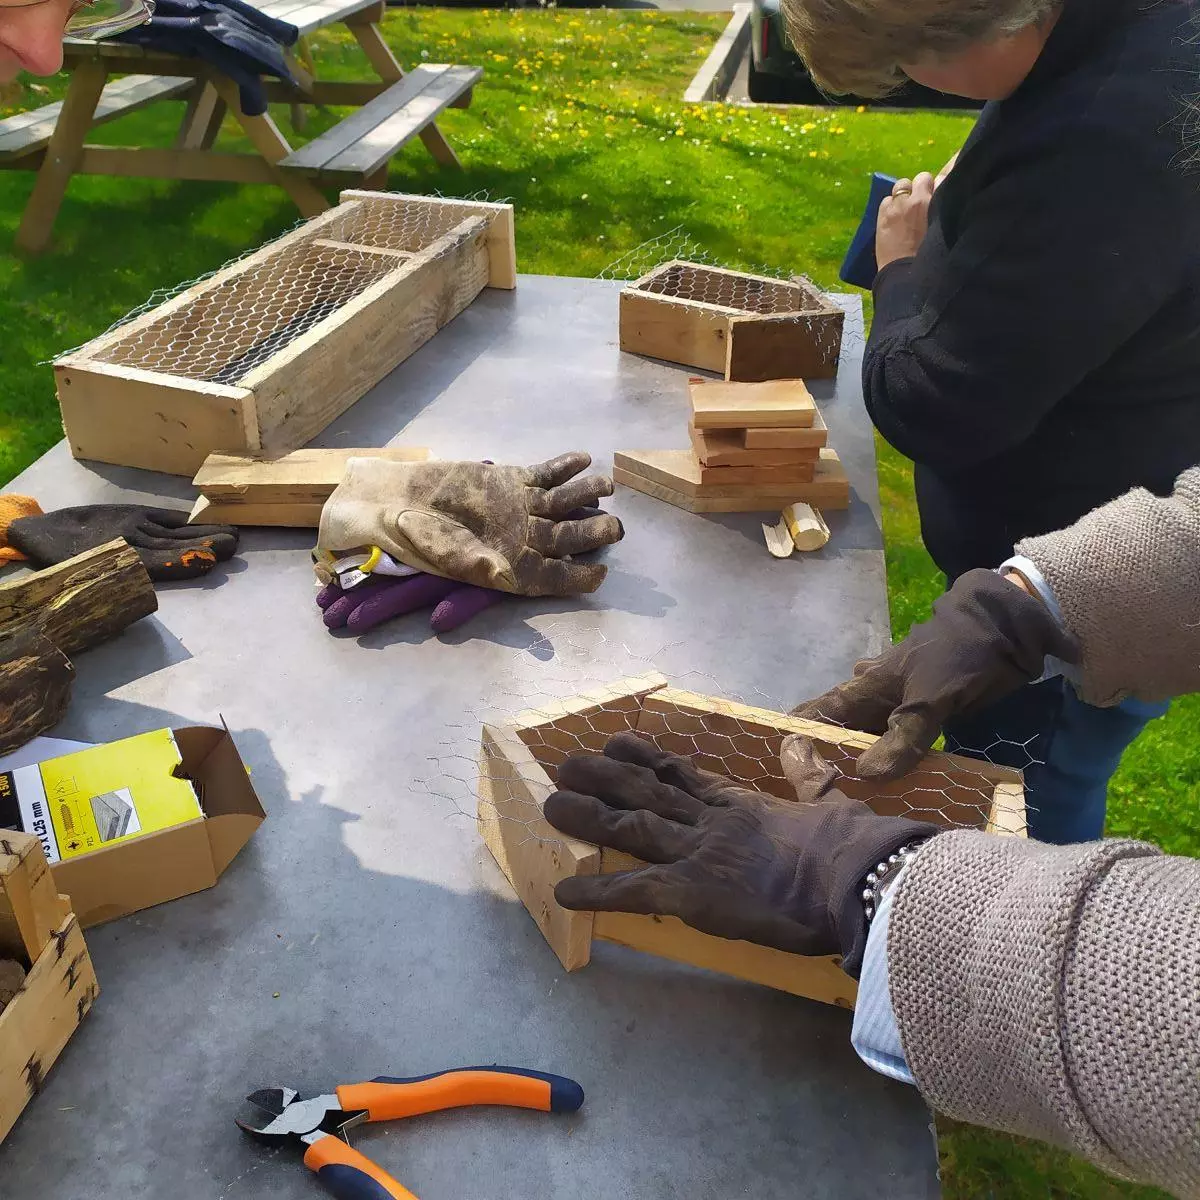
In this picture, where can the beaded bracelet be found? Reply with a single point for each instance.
(872, 894)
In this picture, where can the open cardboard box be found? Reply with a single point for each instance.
(156, 867)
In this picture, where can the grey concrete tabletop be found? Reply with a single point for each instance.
(365, 930)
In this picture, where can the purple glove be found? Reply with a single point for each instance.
(383, 597)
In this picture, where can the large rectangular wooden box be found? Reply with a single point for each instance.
(750, 328)
(261, 356)
(38, 929)
(517, 766)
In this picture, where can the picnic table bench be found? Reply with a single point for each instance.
(113, 79)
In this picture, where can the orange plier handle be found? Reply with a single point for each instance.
(387, 1098)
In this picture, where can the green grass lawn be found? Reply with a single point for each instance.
(579, 123)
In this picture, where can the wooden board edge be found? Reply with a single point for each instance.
(630, 687)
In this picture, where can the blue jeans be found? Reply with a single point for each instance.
(1068, 750)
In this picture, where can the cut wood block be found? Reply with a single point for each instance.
(727, 447)
(778, 403)
(805, 526)
(776, 439)
(724, 476)
(735, 740)
(830, 494)
(304, 476)
(680, 473)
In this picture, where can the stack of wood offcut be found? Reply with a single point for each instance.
(755, 447)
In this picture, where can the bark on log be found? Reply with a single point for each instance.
(85, 600)
(35, 687)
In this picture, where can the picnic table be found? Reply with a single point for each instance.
(365, 930)
(111, 79)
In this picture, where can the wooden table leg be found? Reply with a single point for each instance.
(62, 156)
(202, 121)
(384, 61)
(267, 139)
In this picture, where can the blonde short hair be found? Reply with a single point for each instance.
(855, 47)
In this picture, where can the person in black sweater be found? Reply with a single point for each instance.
(1036, 340)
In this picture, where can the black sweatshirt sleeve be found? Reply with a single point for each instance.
(1055, 265)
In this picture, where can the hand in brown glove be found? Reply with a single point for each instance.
(727, 860)
(987, 637)
(514, 529)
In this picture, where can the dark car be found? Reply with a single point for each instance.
(777, 76)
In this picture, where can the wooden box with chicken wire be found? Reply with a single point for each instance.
(519, 759)
(262, 355)
(47, 984)
(748, 328)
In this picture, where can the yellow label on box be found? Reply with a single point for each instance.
(103, 796)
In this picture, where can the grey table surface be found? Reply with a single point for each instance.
(365, 930)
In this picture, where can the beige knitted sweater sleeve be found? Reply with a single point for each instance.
(1054, 991)
(1127, 577)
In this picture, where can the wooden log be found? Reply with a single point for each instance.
(82, 601)
(35, 687)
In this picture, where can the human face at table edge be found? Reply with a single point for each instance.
(31, 36)
(990, 70)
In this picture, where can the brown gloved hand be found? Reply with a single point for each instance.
(987, 637)
(508, 528)
(728, 860)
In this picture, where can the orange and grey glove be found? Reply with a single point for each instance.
(725, 859)
(168, 546)
(986, 638)
(513, 529)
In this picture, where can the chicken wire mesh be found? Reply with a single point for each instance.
(220, 327)
(569, 694)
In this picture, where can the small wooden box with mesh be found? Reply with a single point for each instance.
(519, 759)
(39, 932)
(747, 327)
(261, 356)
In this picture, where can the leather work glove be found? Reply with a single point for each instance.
(384, 597)
(987, 638)
(168, 546)
(508, 528)
(725, 859)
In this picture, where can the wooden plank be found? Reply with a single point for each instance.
(266, 138)
(692, 334)
(202, 120)
(532, 854)
(681, 472)
(784, 347)
(317, 14)
(145, 419)
(501, 235)
(716, 74)
(62, 157)
(305, 476)
(559, 728)
(57, 994)
(285, 516)
(134, 162)
(726, 448)
(775, 439)
(778, 403)
(30, 907)
(819, 978)
(330, 244)
(829, 490)
(32, 130)
(317, 154)
(320, 374)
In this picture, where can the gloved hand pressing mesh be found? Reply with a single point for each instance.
(382, 597)
(509, 528)
(987, 637)
(727, 860)
(168, 546)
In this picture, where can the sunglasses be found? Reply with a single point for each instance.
(94, 20)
